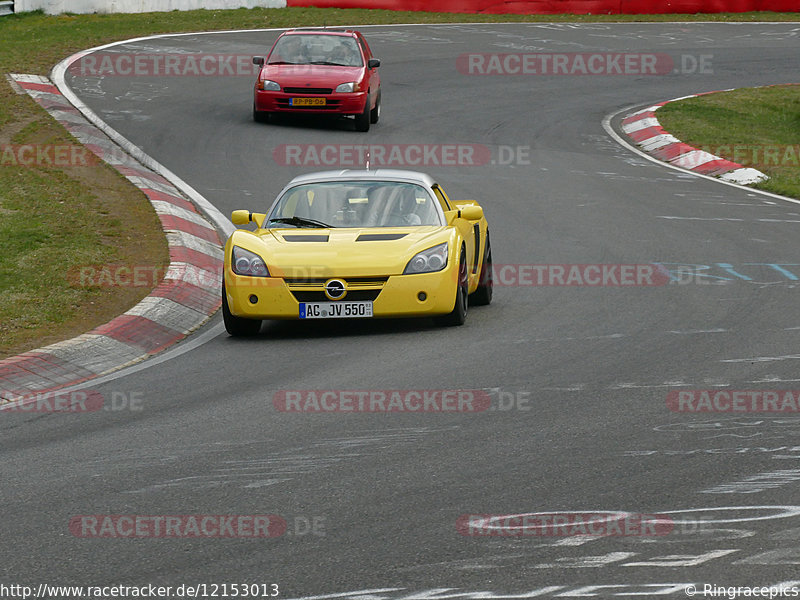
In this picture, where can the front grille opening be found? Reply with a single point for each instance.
(307, 90)
(359, 295)
(352, 282)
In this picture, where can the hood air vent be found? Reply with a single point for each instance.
(306, 238)
(380, 237)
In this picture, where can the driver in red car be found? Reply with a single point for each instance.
(290, 50)
(347, 55)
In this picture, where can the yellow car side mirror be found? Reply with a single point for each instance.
(472, 213)
(240, 217)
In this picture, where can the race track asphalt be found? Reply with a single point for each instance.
(589, 368)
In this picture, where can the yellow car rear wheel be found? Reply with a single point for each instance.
(483, 295)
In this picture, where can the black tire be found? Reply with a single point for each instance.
(362, 120)
(237, 326)
(259, 116)
(459, 312)
(483, 295)
(375, 113)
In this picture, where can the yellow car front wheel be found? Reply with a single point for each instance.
(237, 326)
(459, 312)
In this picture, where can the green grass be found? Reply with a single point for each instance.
(52, 220)
(35, 242)
(756, 127)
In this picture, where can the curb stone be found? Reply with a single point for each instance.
(643, 128)
(187, 296)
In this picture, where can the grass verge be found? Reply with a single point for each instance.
(53, 220)
(755, 127)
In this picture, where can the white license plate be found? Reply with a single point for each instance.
(335, 310)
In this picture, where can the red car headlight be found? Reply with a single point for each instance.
(269, 86)
(350, 86)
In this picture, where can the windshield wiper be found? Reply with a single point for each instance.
(301, 222)
(325, 62)
(283, 62)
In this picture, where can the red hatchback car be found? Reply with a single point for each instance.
(319, 71)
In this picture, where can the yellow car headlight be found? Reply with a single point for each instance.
(428, 261)
(248, 263)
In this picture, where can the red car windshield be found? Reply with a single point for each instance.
(302, 49)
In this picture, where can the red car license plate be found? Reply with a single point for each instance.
(307, 101)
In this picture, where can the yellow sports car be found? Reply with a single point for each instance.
(357, 244)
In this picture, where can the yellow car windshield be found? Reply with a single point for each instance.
(355, 204)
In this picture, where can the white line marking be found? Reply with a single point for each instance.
(181, 348)
(761, 358)
(786, 512)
